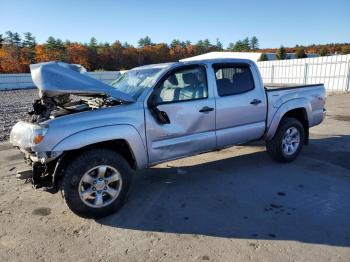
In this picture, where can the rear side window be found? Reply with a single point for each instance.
(233, 79)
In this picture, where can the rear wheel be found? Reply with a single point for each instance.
(96, 183)
(288, 141)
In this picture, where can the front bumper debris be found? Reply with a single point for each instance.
(43, 173)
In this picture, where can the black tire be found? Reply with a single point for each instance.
(76, 170)
(274, 146)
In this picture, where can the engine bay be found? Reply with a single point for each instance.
(46, 108)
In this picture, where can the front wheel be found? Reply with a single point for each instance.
(96, 183)
(288, 141)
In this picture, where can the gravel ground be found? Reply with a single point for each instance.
(231, 205)
(14, 106)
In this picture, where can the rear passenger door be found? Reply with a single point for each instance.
(240, 104)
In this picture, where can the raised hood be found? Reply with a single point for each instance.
(57, 78)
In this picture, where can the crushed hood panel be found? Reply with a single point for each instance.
(57, 78)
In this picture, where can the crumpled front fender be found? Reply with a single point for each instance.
(107, 133)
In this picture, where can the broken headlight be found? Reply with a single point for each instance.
(27, 135)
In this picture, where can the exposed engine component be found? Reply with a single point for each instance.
(66, 88)
(52, 107)
(43, 107)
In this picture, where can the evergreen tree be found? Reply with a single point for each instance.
(240, 45)
(51, 43)
(231, 46)
(9, 38)
(59, 44)
(254, 43)
(56, 49)
(145, 41)
(281, 53)
(92, 43)
(28, 50)
(92, 54)
(12, 38)
(246, 44)
(263, 57)
(206, 44)
(126, 45)
(29, 40)
(203, 46)
(187, 42)
(54, 44)
(17, 39)
(219, 45)
(300, 53)
(175, 43)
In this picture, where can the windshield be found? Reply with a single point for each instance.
(134, 82)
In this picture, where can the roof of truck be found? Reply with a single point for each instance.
(208, 57)
(223, 55)
(160, 66)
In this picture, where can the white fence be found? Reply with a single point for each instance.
(19, 81)
(332, 71)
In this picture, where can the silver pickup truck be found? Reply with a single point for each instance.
(88, 138)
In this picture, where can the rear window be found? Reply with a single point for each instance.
(233, 79)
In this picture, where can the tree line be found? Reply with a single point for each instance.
(301, 51)
(17, 51)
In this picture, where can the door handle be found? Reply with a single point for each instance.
(206, 109)
(255, 102)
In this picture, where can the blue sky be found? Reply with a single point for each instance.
(274, 22)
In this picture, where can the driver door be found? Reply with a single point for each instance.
(183, 96)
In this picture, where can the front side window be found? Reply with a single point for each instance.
(182, 85)
(233, 79)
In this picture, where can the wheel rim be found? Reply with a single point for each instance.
(291, 141)
(100, 186)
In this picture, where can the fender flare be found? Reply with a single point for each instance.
(285, 108)
(106, 133)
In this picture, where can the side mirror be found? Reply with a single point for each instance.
(161, 116)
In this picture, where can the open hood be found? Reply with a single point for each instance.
(57, 78)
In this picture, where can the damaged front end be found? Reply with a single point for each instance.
(58, 81)
(26, 136)
(63, 89)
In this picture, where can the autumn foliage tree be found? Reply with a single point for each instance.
(323, 51)
(345, 50)
(10, 53)
(41, 53)
(10, 57)
(17, 51)
(78, 54)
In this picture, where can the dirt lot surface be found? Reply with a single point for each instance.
(232, 205)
